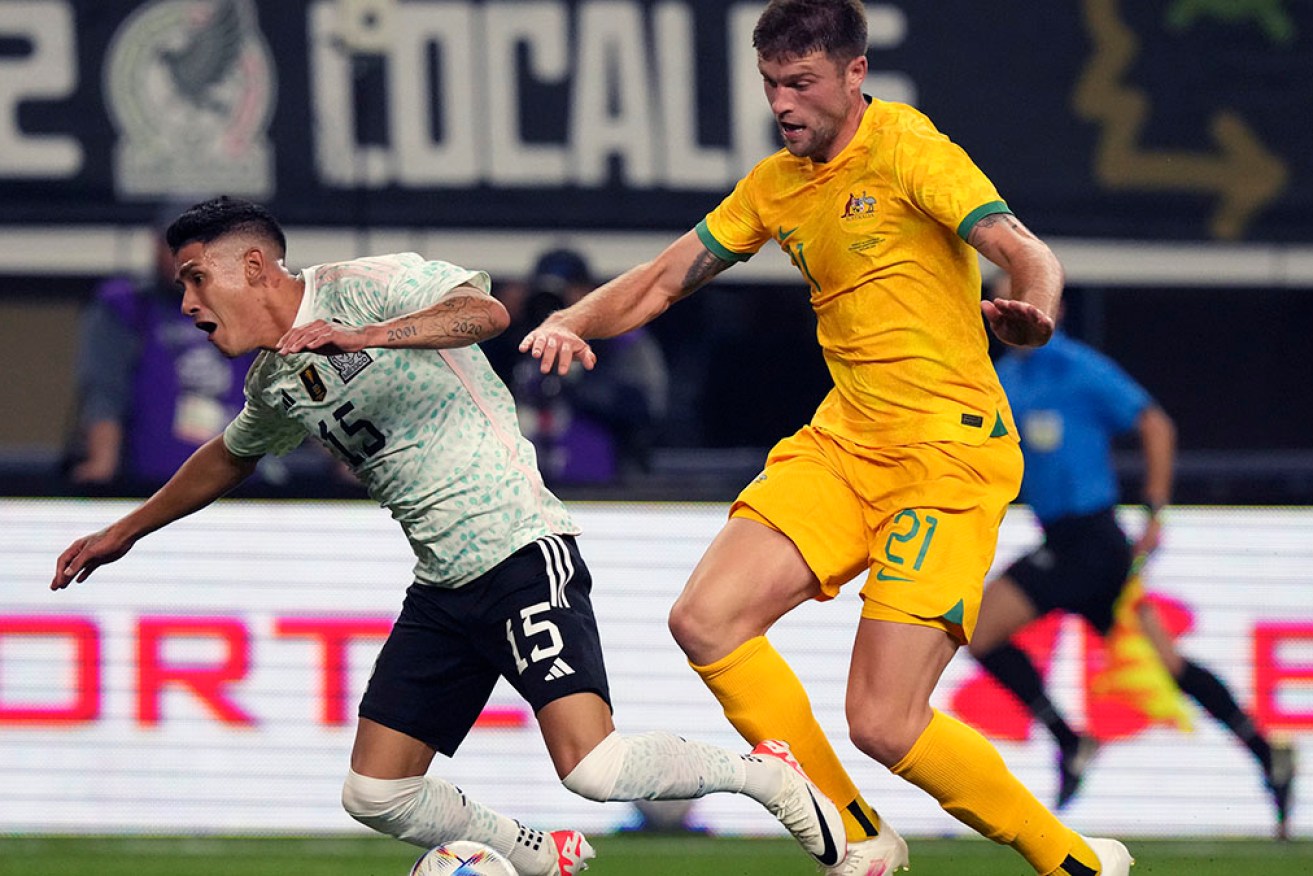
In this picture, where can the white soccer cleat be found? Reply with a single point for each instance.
(878, 856)
(808, 814)
(1114, 858)
(573, 852)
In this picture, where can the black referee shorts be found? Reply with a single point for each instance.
(1080, 568)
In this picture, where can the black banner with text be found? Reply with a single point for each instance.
(1172, 120)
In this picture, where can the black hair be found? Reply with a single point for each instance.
(795, 28)
(221, 216)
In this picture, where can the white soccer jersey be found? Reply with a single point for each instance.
(431, 433)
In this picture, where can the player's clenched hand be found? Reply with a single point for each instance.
(1017, 322)
(323, 337)
(555, 346)
(86, 555)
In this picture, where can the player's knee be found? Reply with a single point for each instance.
(376, 802)
(690, 630)
(881, 736)
(594, 777)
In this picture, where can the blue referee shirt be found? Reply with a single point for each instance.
(1070, 401)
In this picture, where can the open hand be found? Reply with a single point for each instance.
(557, 346)
(323, 337)
(87, 554)
(1018, 323)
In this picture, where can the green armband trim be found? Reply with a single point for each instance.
(965, 226)
(717, 248)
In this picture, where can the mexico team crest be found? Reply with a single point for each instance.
(190, 87)
(348, 365)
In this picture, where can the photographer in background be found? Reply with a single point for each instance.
(598, 430)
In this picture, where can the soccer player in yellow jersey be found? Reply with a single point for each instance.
(906, 468)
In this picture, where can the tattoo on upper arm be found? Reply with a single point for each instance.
(997, 220)
(704, 267)
(989, 248)
(1005, 220)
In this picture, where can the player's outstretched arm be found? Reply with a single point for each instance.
(1158, 444)
(632, 299)
(1027, 317)
(464, 316)
(207, 474)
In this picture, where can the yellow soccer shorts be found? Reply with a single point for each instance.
(921, 519)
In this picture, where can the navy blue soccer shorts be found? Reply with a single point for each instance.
(529, 620)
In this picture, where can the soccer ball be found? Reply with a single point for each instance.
(462, 858)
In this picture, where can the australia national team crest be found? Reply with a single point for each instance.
(858, 206)
(190, 87)
(348, 365)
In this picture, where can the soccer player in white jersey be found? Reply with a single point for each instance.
(376, 359)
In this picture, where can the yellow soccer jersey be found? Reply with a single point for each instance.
(879, 235)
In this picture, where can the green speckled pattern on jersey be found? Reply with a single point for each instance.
(431, 433)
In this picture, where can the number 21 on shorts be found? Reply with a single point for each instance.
(909, 540)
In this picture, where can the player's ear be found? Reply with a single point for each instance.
(855, 72)
(254, 265)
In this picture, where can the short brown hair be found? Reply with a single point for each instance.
(794, 28)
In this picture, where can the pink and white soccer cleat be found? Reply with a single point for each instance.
(808, 814)
(878, 856)
(573, 852)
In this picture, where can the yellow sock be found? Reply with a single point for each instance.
(763, 699)
(860, 821)
(1080, 861)
(959, 768)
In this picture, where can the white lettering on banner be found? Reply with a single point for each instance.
(610, 110)
(439, 34)
(541, 29)
(453, 75)
(433, 43)
(338, 159)
(47, 72)
(750, 116)
(684, 163)
(632, 95)
(887, 29)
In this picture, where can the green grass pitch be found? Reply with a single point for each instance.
(621, 855)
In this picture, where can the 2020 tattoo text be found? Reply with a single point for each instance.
(455, 319)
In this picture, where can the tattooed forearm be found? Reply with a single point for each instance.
(454, 322)
(463, 318)
(704, 267)
(401, 332)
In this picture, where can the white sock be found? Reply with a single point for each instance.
(763, 777)
(655, 766)
(426, 812)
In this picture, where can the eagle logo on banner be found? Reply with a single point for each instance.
(190, 87)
